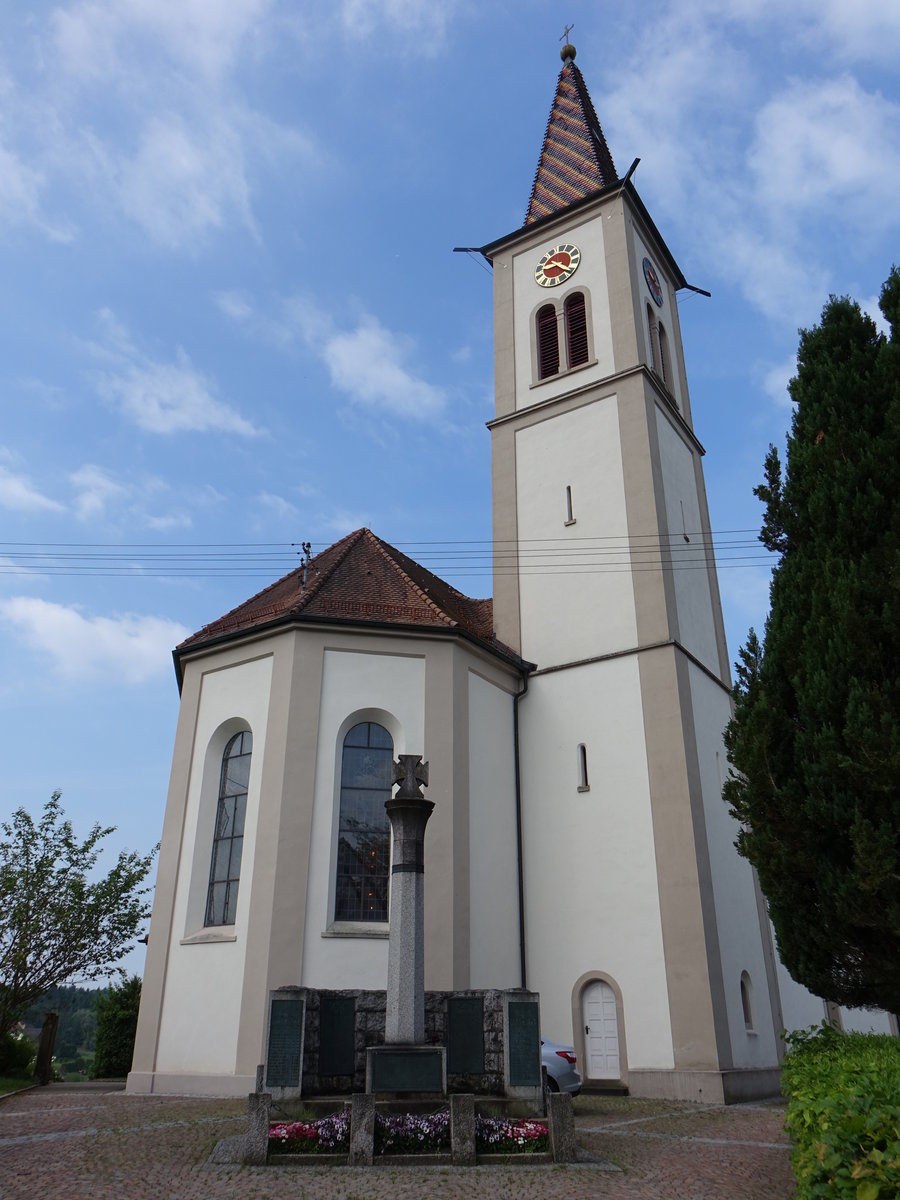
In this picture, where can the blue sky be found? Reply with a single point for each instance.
(230, 315)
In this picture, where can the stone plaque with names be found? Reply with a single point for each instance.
(285, 1042)
(465, 1035)
(407, 1069)
(337, 1036)
(524, 1044)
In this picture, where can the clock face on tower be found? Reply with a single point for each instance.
(557, 265)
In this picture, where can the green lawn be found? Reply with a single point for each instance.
(13, 1085)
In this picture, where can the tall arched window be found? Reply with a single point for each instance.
(547, 342)
(747, 1002)
(576, 330)
(665, 366)
(364, 831)
(228, 840)
(651, 334)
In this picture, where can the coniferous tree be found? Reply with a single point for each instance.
(815, 739)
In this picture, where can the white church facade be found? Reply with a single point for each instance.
(579, 844)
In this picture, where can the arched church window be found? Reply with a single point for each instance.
(547, 342)
(228, 840)
(364, 831)
(747, 1002)
(576, 330)
(665, 366)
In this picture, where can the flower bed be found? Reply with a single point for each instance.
(413, 1133)
(501, 1135)
(328, 1135)
(408, 1133)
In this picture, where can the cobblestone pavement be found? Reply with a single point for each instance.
(63, 1145)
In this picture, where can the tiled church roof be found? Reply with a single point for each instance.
(359, 580)
(575, 160)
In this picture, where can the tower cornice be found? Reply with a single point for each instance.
(583, 209)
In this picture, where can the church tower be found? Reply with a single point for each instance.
(645, 932)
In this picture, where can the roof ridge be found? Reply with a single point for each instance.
(383, 548)
(351, 539)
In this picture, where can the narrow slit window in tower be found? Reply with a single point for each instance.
(570, 514)
(583, 785)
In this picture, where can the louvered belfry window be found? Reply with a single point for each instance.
(548, 342)
(576, 330)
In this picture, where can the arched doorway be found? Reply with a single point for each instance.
(601, 1031)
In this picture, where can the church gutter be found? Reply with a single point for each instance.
(509, 657)
(519, 853)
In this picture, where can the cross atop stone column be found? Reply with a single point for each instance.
(408, 812)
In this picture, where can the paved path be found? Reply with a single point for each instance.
(87, 1145)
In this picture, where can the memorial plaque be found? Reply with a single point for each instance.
(406, 1070)
(524, 1045)
(337, 1035)
(465, 1035)
(285, 1042)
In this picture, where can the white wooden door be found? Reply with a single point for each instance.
(601, 1031)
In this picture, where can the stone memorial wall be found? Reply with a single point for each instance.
(340, 1026)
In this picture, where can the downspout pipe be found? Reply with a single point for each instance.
(518, 781)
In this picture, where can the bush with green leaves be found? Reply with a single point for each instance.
(117, 1015)
(59, 918)
(844, 1114)
(16, 1052)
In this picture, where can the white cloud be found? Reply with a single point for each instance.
(233, 305)
(426, 19)
(129, 648)
(161, 397)
(95, 488)
(777, 378)
(278, 505)
(867, 30)
(19, 494)
(20, 197)
(369, 364)
(870, 306)
(342, 521)
(184, 183)
(829, 148)
(93, 36)
(165, 523)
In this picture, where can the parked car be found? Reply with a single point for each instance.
(560, 1062)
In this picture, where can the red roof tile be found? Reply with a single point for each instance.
(359, 580)
(575, 160)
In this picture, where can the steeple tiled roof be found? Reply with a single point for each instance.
(575, 160)
(359, 580)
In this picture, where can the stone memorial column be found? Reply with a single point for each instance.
(408, 812)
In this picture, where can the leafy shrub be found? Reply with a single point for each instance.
(844, 1114)
(16, 1052)
(117, 1014)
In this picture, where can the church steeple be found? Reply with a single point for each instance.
(575, 160)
